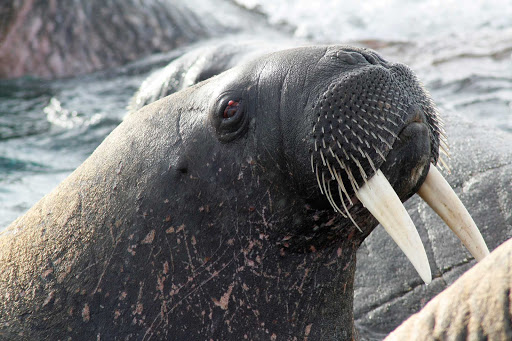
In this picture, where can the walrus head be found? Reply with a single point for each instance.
(368, 131)
(233, 209)
(315, 138)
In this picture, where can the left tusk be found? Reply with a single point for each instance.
(381, 200)
(438, 194)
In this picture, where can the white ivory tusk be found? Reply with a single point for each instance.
(439, 195)
(381, 200)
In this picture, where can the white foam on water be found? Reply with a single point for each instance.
(333, 20)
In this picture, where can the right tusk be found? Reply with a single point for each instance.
(438, 194)
(381, 200)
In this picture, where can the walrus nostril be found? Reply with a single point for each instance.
(350, 57)
(415, 114)
(413, 130)
(370, 59)
(355, 56)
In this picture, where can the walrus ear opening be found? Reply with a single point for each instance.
(229, 117)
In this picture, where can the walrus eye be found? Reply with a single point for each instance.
(229, 117)
(231, 109)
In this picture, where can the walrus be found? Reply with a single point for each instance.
(475, 307)
(233, 209)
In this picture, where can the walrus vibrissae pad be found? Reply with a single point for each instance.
(359, 117)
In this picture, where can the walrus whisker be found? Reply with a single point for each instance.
(328, 194)
(341, 188)
(361, 170)
(367, 143)
(332, 153)
(377, 150)
(361, 151)
(336, 208)
(390, 132)
(312, 164)
(443, 164)
(385, 141)
(345, 152)
(391, 121)
(330, 170)
(346, 140)
(340, 182)
(323, 158)
(370, 162)
(363, 129)
(318, 179)
(352, 180)
(444, 147)
(342, 164)
(360, 139)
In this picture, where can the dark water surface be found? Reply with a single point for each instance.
(48, 128)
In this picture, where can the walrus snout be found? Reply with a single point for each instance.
(357, 121)
(377, 136)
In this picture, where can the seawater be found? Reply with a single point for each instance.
(48, 128)
(462, 52)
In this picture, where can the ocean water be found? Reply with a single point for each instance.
(462, 52)
(47, 129)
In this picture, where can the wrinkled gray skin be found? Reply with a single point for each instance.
(386, 293)
(186, 225)
(60, 38)
(209, 59)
